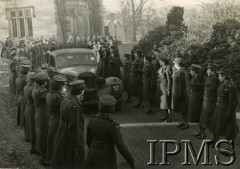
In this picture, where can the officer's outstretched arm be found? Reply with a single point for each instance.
(118, 141)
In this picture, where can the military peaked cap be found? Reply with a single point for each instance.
(195, 67)
(42, 76)
(60, 78)
(13, 53)
(139, 51)
(107, 100)
(31, 75)
(126, 55)
(163, 58)
(179, 61)
(213, 67)
(225, 72)
(78, 82)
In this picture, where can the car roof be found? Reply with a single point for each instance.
(71, 51)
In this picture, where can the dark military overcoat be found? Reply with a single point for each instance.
(13, 76)
(126, 75)
(180, 91)
(68, 152)
(114, 67)
(103, 63)
(102, 141)
(39, 94)
(195, 99)
(54, 100)
(165, 78)
(209, 100)
(30, 111)
(224, 122)
(149, 82)
(136, 77)
(21, 81)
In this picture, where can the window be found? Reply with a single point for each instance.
(20, 22)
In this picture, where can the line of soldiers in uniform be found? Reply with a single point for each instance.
(208, 100)
(53, 121)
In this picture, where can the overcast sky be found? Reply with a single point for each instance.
(113, 5)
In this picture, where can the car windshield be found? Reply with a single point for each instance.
(75, 60)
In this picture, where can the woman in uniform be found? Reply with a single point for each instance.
(102, 140)
(165, 77)
(195, 94)
(39, 94)
(30, 111)
(68, 151)
(54, 100)
(149, 80)
(224, 122)
(209, 100)
(180, 91)
(136, 80)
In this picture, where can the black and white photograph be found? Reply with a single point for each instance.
(119, 84)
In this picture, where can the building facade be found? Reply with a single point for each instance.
(45, 18)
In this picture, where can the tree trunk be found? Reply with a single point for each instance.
(134, 37)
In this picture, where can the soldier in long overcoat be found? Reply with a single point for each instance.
(114, 64)
(68, 152)
(136, 76)
(54, 100)
(195, 94)
(126, 76)
(224, 122)
(103, 60)
(39, 94)
(30, 111)
(209, 99)
(21, 81)
(149, 83)
(13, 73)
(102, 140)
(165, 78)
(180, 91)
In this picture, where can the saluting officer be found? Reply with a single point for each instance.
(195, 94)
(126, 76)
(68, 152)
(165, 77)
(103, 134)
(224, 122)
(136, 77)
(39, 94)
(180, 91)
(209, 99)
(54, 100)
(30, 111)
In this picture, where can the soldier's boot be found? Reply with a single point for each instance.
(169, 118)
(33, 147)
(165, 117)
(202, 134)
(214, 141)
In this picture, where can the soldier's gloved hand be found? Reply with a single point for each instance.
(76, 153)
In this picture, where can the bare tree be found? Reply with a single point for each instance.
(137, 9)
